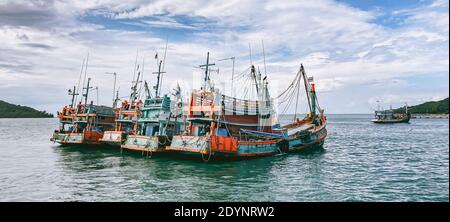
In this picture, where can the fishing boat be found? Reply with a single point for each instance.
(126, 116)
(89, 122)
(389, 116)
(65, 116)
(227, 127)
(65, 119)
(160, 119)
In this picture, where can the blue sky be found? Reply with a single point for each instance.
(358, 51)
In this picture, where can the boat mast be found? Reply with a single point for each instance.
(73, 94)
(307, 89)
(296, 102)
(157, 87)
(207, 65)
(85, 72)
(147, 90)
(163, 64)
(87, 92)
(79, 80)
(133, 95)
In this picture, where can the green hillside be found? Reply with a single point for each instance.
(8, 110)
(435, 107)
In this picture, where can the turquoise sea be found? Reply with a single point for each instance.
(360, 161)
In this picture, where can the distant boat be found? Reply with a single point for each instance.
(389, 116)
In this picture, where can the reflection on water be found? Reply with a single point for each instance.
(360, 161)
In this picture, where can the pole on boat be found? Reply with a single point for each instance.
(232, 72)
(207, 65)
(87, 92)
(135, 65)
(305, 80)
(164, 63)
(85, 71)
(114, 89)
(157, 87)
(73, 94)
(79, 80)
(147, 90)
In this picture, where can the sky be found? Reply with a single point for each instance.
(358, 52)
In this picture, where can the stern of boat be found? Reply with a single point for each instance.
(113, 138)
(145, 143)
(73, 138)
(190, 144)
(58, 137)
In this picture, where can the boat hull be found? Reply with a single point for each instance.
(406, 120)
(155, 144)
(215, 146)
(87, 138)
(112, 138)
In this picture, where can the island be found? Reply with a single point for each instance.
(8, 110)
(432, 109)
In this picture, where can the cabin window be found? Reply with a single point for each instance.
(202, 130)
(155, 130)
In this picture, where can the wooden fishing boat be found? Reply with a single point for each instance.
(89, 122)
(65, 124)
(156, 126)
(389, 116)
(65, 117)
(160, 119)
(227, 127)
(126, 118)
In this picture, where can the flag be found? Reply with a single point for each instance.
(310, 79)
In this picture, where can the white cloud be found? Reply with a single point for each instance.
(340, 45)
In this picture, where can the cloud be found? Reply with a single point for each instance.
(44, 43)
